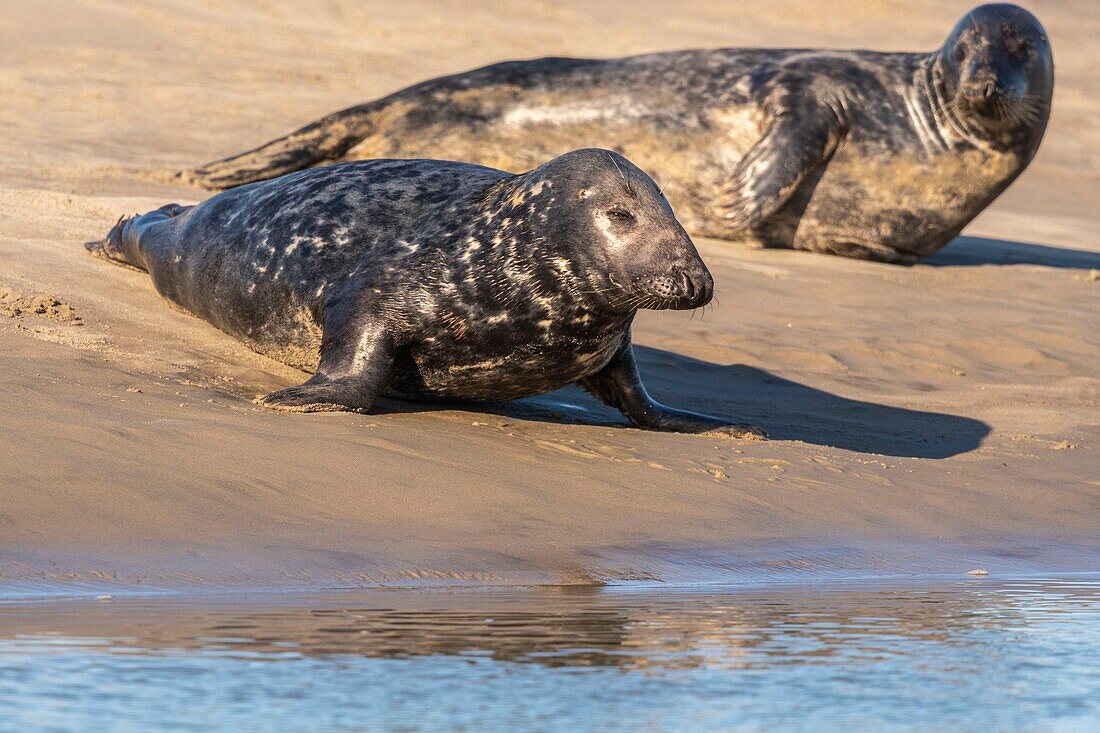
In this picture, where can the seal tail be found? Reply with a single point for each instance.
(122, 245)
(325, 139)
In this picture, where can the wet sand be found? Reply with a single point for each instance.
(925, 420)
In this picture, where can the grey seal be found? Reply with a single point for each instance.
(884, 156)
(434, 280)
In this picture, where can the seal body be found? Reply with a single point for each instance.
(875, 155)
(432, 280)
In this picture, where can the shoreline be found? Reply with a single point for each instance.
(793, 565)
(248, 597)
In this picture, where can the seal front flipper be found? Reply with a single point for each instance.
(803, 135)
(323, 394)
(619, 385)
(353, 371)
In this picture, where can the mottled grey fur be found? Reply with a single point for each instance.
(431, 280)
(877, 155)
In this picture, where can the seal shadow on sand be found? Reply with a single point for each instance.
(787, 410)
(969, 251)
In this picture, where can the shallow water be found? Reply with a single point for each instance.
(969, 655)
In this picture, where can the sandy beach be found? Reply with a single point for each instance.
(924, 420)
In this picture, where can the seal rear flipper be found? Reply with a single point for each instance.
(110, 247)
(799, 140)
(619, 385)
(325, 139)
(122, 245)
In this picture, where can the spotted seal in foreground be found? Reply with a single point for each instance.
(432, 280)
(883, 156)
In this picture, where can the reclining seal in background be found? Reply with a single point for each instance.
(883, 156)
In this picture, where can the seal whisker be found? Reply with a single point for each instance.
(629, 185)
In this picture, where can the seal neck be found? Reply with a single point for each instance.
(954, 129)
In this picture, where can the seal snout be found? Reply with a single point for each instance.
(677, 289)
(983, 95)
(986, 91)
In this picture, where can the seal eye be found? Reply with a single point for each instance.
(960, 52)
(619, 215)
(1016, 46)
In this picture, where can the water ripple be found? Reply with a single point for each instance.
(977, 654)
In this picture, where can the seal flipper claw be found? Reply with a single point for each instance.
(320, 394)
(739, 432)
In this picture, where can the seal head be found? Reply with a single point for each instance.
(996, 75)
(613, 226)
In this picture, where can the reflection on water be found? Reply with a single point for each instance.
(978, 654)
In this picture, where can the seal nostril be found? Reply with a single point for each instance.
(687, 287)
